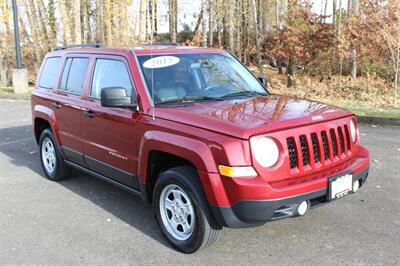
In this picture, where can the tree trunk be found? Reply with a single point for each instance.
(256, 35)
(211, 15)
(42, 17)
(173, 20)
(277, 22)
(334, 12)
(231, 29)
(107, 21)
(99, 22)
(204, 26)
(143, 21)
(154, 17)
(51, 14)
(353, 9)
(290, 71)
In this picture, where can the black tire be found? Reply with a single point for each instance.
(205, 233)
(61, 170)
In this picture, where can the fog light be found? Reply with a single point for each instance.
(356, 186)
(302, 208)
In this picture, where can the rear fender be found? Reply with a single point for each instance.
(45, 113)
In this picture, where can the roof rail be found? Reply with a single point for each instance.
(93, 45)
(164, 43)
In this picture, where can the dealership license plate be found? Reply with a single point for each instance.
(340, 186)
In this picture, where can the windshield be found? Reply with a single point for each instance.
(194, 77)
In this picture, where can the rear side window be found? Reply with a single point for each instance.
(110, 73)
(73, 78)
(49, 73)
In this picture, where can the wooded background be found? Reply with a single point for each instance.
(354, 47)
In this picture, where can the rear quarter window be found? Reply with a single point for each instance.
(48, 76)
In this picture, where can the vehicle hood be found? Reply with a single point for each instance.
(243, 118)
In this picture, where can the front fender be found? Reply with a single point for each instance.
(46, 113)
(195, 151)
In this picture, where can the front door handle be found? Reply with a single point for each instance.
(89, 113)
(56, 105)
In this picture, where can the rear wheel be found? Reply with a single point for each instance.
(52, 162)
(181, 219)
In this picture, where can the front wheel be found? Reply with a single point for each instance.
(179, 215)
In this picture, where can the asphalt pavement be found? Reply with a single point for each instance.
(83, 220)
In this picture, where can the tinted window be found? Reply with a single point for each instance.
(49, 73)
(110, 73)
(74, 75)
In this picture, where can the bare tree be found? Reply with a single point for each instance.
(211, 14)
(353, 9)
(173, 20)
(256, 33)
(231, 29)
(143, 21)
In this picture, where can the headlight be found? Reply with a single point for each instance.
(353, 131)
(265, 151)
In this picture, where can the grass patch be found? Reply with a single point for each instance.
(8, 92)
(386, 112)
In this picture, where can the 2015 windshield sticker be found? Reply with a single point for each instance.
(161, 61)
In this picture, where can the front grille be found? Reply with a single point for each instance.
(316, 147)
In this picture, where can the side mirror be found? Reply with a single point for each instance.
(264, 81)
(116, 97)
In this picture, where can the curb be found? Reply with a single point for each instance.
(379, 120)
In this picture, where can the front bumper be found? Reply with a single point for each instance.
(249, 213)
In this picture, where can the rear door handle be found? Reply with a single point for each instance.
(89, 113)
(56, 105)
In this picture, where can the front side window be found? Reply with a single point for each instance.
(73, 79)
(189, 77)
(110, 73)
(49, 73)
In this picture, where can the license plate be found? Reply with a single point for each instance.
(340, 186)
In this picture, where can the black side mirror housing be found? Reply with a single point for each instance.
(116, 97)
(264, 81)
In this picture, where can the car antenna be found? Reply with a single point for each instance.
(152, 72)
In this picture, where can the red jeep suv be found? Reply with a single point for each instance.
(193, 132)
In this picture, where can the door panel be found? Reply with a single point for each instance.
(109, 134)
(68, 107)
(110, 142)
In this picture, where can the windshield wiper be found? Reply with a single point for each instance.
(243, 93)
(189, 99)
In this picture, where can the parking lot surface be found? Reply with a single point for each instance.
(83, 220)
